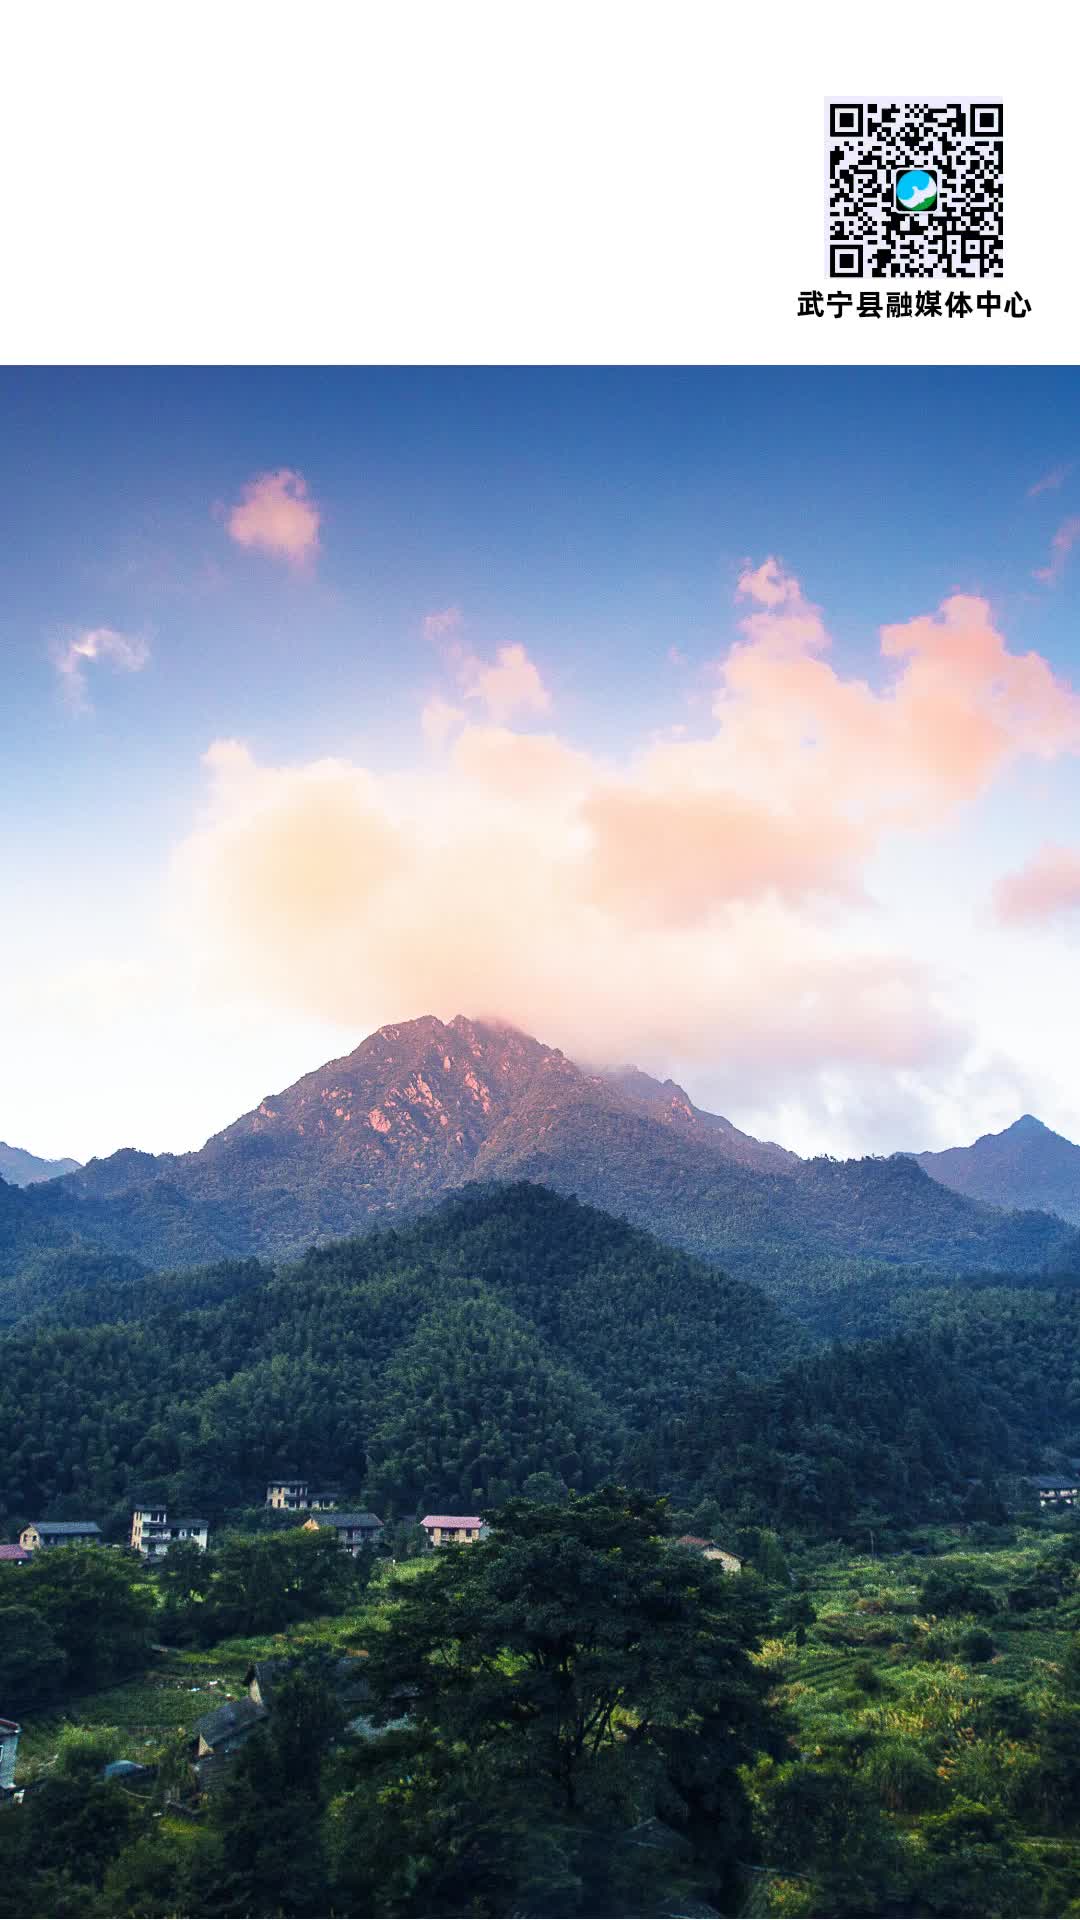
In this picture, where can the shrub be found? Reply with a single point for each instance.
(866, 1677)
(942, 1594)
(903, 1777)
(976, 1646)
(1006, 1710)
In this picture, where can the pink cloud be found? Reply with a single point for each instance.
(704, 886)
(768, 584)
(330, 890)
(439, 719)
(958, 708)
(1048, 885)
(276, 516)
(1060, 547)
(671, 859)
(508, 685)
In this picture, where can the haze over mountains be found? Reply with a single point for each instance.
(423, 1107)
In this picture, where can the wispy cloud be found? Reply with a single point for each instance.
(439, 719)
(276, 515)
(438, 625)
(128, 653)
(506, 686)
(1047, 886)
(1054, 478)
(1060, 547)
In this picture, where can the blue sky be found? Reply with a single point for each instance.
(588, 528)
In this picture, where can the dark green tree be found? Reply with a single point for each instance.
(95, 1606)
(32, 1664)
(579, 1658)
(264, 1853)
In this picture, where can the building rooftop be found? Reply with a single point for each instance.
(66, 1526)
(14, 1553)
(233, 1717)
(451, 1520)
(332, 1518)
(345, 1674)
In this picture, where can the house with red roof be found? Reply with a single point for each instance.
(709, 1550)
(452, 1529)
(14, 1553)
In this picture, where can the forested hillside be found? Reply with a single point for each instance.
(508, 1335)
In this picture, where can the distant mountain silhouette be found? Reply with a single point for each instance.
(1027, 1165)
(22, 1169)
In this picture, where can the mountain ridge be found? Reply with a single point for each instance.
(420, 1108)
(23, 1169)
(1025, 1165)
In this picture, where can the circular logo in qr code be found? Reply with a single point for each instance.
(916, 191)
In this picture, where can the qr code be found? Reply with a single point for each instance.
(914, 189)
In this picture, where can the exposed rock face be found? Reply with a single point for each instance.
(419, 1108)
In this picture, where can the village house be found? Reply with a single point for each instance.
(9, 1741)
(218, 1736)
(355, 1531)
(153, 1533)
(1057, 1489)
(59, 1533)
(709, 1550)
(294, 1496)
(452, 1529)
(17, 1554)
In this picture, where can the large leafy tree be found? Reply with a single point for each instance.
(263, 1851)
(32, 1665)
(579, 1659)
(259, 1585)
(95, 1605)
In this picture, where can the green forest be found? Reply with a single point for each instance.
(580, 1714)
(514, 1333)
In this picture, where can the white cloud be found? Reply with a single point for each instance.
(128, 653)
